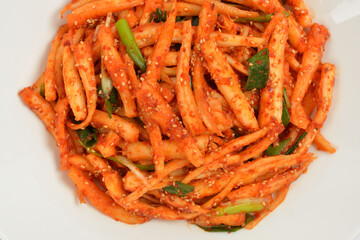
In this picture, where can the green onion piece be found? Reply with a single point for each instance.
(248, 218)
(285, 117)
(106, 85)
(139, 166)
(258, 66)
(221, 228)
(145, 167)
(126, 162)
(123, 161)
(161, 15)
(287, 14)
(184, 188)
(128, 39)
(111, 100)
(292, 149)
(243, 205)
(261, 18)
(87, 136)
(158, 16)
(179, 187)
(273, 151)
(42, 90)
(286, 98)
(171, 189)
(106, 82)
(107, 91)
(225, 228)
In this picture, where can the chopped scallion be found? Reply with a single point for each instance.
(128, 39)
(111, 100)
(42, 90)
(226, 228)
(261, 18)
(292, 149)
(179, 188)
(242, 205)
(273, 151)
(145, 167)
(158, 16)
(286, 98)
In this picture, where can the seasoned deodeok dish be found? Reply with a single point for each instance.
(200, 110)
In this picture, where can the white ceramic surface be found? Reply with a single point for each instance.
(38, 201)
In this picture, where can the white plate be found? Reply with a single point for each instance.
(38, 201)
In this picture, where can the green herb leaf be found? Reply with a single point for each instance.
(128, 39)
(179, 188)
(285, 117)
(158, 16)
(221, 228)
(261, 18)
(258, 66)
(161, 15)
(42, 90)
(242, 205)
(195, 21)
(285, 112)
(286, 98)
(145, 167)
(123, 161)
(225, 228)
(184, 188)
(109, 108)
(87, 136)
(111, 100)
(273, 151)
(171, 189)
(292, 149)
(248, 218)
(287, 14)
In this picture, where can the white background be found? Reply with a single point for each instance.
(38, 201)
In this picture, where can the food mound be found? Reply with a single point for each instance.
(197, 109)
